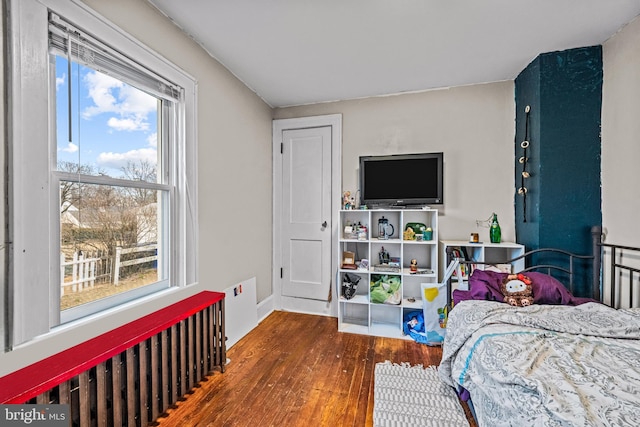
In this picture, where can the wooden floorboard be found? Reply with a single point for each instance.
(295, 370)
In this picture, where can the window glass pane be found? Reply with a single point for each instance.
(110, 241)
(113, 124)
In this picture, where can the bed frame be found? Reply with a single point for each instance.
(619, 264)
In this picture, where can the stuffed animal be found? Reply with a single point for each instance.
(346, 200)
(517, 290)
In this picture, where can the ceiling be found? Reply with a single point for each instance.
(293, 52)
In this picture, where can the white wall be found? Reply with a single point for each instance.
(621, 136)
(474, 127)
(234, 168)
(234, 180)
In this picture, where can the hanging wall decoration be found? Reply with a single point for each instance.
(523, 160)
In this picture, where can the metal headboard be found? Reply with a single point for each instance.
(617, 270)
(566, 266)
(616, 267)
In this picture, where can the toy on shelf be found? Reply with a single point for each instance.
(409, 234)
(348, 201)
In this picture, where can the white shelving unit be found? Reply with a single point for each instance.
(359, 314)
(484, 252)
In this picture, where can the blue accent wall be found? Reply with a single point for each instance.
(563, 202)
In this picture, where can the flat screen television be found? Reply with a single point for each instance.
(401, 180)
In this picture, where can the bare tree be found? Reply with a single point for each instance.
(71, 191)
(144, 201)
(141, 170)
(109, 216)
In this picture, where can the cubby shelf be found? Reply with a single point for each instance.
(359, 235)
(481, 253)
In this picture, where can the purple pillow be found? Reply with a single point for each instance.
(485, 285)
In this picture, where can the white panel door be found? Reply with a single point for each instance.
(306, 213)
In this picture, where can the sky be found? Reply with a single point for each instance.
(112, 122)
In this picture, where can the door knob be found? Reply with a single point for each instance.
(324, 224)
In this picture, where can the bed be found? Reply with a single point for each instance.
(565, 360)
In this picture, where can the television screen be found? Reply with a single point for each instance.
(401, 180)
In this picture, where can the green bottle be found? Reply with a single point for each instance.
(494, 231)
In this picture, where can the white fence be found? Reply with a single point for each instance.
(85, 269)
(119, 264)
(83, 272)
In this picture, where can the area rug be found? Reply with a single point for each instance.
(406, 395)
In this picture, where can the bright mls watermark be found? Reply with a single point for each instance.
(35, 415)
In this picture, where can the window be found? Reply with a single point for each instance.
(104, 145)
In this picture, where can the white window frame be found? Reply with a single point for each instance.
(34, 268)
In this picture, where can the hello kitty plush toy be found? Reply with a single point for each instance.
(517, 290)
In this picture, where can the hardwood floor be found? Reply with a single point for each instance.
(296, 369)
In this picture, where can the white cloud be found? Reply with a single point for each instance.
(71, 148)
(110, 95)
(153, 140)
(129, 124)
(101, 88)
(119, 160)
(135, 101)
(60, 81)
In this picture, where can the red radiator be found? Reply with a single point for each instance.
(132, 374)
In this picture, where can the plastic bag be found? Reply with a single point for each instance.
(413, 326)
(413, 321)
(434, 307)
(349, 285)
(385, 289)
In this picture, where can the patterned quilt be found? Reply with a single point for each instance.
(545, 365)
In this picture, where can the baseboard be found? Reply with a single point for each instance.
(265, 308)
(309, 306)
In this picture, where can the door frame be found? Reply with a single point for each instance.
(280, 125)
